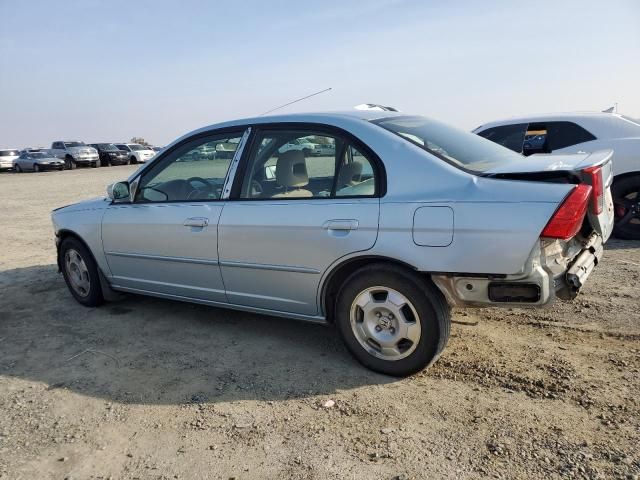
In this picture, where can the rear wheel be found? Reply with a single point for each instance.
(392, 320)
(80, 273)
(626, 202)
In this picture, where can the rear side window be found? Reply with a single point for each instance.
(566, 134)
(293, 164)
(510, 136)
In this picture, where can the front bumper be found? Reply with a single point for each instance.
(86, 160)
(555, 269)
(51, 166)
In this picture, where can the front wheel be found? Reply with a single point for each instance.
(133, 160)
(626, 202)
(392, 320)
(36, 168)
(80, 273)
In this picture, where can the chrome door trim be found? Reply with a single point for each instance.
(264, 266)
(231, 173)
(144, 256)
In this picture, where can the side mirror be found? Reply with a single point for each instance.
(119, 192)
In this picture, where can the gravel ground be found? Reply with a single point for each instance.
(146, 388)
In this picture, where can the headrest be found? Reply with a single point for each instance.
(349, 173)
(291, 169)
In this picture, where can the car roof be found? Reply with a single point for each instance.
(558, 116)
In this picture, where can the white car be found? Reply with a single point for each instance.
(8, 156)
(301, 144)
(137, 153)
(561, 133)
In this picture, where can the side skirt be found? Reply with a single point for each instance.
(232, 306)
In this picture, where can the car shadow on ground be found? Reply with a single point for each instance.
(619, 244)
(152, 351)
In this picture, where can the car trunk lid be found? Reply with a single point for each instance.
(594, 169)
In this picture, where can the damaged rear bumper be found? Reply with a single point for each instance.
(555, 269)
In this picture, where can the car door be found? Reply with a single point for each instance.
(166, 240)
(292, 215)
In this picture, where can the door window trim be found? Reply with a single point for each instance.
(240, 130)
(377, 165)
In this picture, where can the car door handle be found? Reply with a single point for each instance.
(196, 222)
(341, 225)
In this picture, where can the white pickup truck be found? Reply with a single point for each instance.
(75, 153)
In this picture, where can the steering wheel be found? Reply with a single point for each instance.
(255, 190)
(208, 186)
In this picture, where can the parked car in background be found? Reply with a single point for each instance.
(7, 158)
(38, 161)
(110, 154)
(74, 154)
(299, 144)
(137, 153)
(563, 133)
(364, 239)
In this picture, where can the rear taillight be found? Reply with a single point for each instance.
(597, 194)
(567, 220)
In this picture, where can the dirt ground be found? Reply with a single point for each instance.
(152, 389)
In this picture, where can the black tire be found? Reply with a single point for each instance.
(36, 168)
(68, 163)
(429, 303)
(94, 297)
(133, 160)
(626, 204)
(17, 168)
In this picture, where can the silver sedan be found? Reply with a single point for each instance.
(37, 162)
(404, 218)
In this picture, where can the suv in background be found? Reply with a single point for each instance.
(8, 156)
(562, 133)
(75, 153)
(110, 154)
(137, 153)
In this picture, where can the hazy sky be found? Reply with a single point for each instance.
(110, 70)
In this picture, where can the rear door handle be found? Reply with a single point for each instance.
(340, 225)
(196, 222)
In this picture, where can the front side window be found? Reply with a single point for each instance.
(457, 147)
(509, 136)
(196, 171)
(301, 164)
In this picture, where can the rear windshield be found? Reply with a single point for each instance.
(8, 153)
(462, 149)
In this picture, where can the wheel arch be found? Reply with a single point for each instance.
(62, 235)
(336, 277)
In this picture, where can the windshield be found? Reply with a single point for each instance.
(137, 147)
(74, 144)
(107, 147)
(462, 149)
(8, 153)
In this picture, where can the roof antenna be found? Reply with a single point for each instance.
(295, 101)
